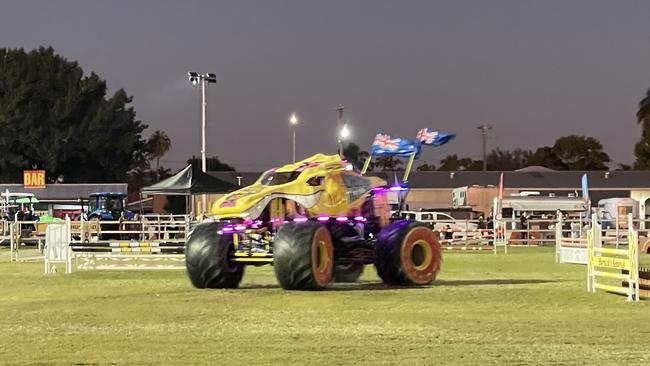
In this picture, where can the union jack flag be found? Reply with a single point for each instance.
(385, 142)
(426, 136)
(433, 138)
(385, 146)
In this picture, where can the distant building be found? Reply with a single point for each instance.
(436, 189)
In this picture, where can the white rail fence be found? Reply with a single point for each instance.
(613, 269)
(571, 239)
(149, 243)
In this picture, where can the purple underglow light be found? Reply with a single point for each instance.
(397, 188)
(394, 189)
(300, 219)
(360, 218)
(341, 218)
(227, 229)
(240, 227)
(323, 218)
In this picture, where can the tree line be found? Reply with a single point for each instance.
(567, 153)
(56, 117)
(571, 152)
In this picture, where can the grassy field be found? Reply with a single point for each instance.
(519, 309)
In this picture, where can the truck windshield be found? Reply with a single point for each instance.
(106, 203)
(92, 204)
(274, 178)
(114, 203)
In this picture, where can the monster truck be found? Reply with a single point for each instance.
(315, 221)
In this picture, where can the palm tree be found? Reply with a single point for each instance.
(353, 154)
(157, 146)
(388, 163)
(643, 114)
(450, 163)
(642, 148)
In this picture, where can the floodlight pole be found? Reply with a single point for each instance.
(204, 199)
(294, 143)
(293, 122)
(484, 130)
(339, 123)
(194, 78)
(204, 106)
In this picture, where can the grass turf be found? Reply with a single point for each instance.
(519, 308)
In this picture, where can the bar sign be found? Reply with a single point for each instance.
(34, 178)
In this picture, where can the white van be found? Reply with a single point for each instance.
(612, 210)
(438, 220)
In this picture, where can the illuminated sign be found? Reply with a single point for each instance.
(34, 178)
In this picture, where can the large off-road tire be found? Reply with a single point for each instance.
(407, 253)
(348, 272)
(303, 256)
(206, 258)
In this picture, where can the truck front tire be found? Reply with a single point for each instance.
(303, 256)
(207, 258)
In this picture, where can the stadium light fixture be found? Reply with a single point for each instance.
(345, 132)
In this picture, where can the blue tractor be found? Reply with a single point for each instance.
(108, 206)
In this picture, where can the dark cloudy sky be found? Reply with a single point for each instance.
(536, 70)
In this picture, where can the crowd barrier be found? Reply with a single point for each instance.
(469, 236)
(613, 269)
(22, 233)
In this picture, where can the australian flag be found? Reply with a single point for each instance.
(433, 138)
(386, 146)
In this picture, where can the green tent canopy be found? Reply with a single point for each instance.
(27, 200)
(49, 219)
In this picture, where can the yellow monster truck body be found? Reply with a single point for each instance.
(319, 185)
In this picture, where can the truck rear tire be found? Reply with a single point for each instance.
(207, 258)
(303, 256)
(407, 254)
(348, 272)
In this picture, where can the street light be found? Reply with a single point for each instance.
(344, 133)
(339, 122)
(484, 130)
(293, 121)
(195, 78)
